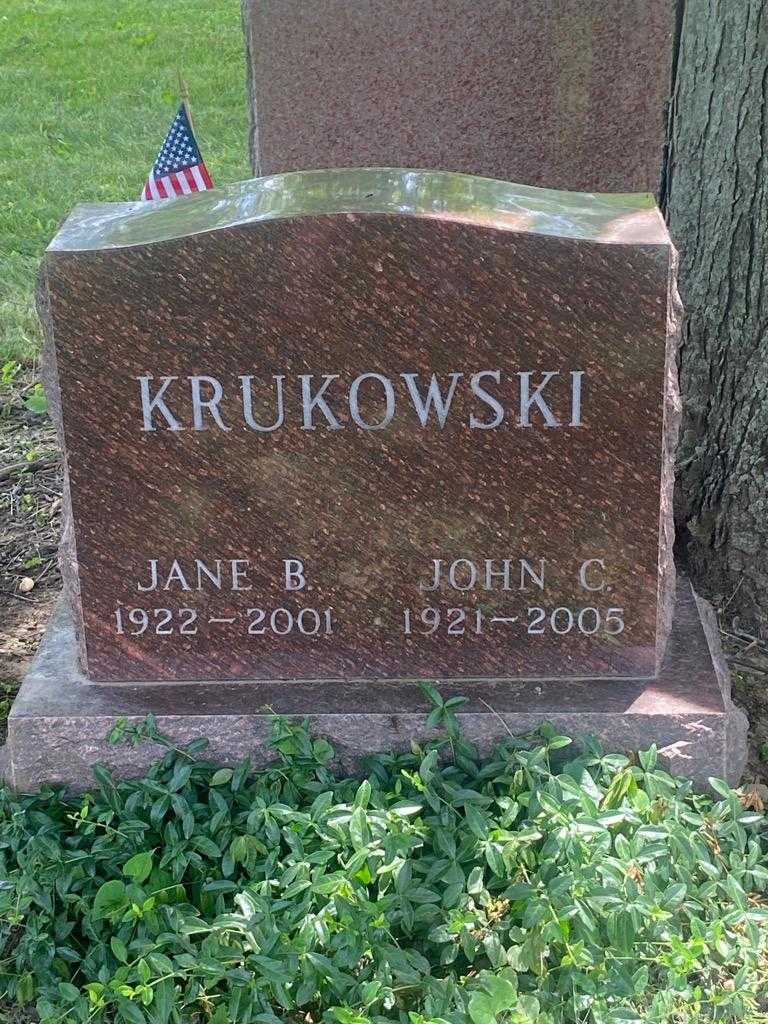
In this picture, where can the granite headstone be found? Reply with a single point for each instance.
(566, 94)
(387, 426)
(330, 432)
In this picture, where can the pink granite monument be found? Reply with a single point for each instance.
(332, 432)
(412, 425)
(565, 94)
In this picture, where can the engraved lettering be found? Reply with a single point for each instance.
(526, 569)
(437, 566)
(238, 574)
(316, 401)
(176, 576)
(245, 387)
(153, 577)
(150, 404)
(544, 400)
(294, 574)
(442, 405)
(576, 376)
(491, 574)
(527, 400)
(586, 568)
(484, 396)
(389, 400)
(462, 567)
(204, 571)
(211, 405)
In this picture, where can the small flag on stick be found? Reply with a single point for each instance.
(179, 168)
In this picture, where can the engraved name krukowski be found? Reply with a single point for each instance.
(527, 398)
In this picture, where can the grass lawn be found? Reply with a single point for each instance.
(87, 92)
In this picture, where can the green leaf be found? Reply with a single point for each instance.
(119, 949)
(428, 765)
(675, 894)
(558, 742)
(648, 758)
(36, 402)
(434, 718)
(69, 993)
(407, 808)
(457, 702)
(181, 776)
(111, 899)
(139, 867)
(221, 777)
(476, 822)
(206, 846)
(498, 995)
(222, 885)
(358, 828)
(721, 787)
(162, 1004)
(429, 691)
(475, 880)
(363, 794)
(130, 1012)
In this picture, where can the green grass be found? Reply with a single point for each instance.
(87, 91)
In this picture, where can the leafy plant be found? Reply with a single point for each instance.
(36, 401)
(9, 371)
(527, 887)
(8, 690)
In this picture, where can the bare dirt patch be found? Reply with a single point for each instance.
(30, 519)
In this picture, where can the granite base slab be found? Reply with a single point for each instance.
(58, 724)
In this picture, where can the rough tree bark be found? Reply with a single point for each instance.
(716, 196)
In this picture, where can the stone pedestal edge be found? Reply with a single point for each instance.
(58, 725)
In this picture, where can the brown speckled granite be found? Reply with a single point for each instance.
(566, 94)
(440, 288)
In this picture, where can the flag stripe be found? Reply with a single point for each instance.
(206, 176)
(197, 178)
(179, 179)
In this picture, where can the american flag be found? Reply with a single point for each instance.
(179, 167)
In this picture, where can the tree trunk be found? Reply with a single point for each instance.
(716, 197)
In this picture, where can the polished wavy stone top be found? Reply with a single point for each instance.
(614, 218)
